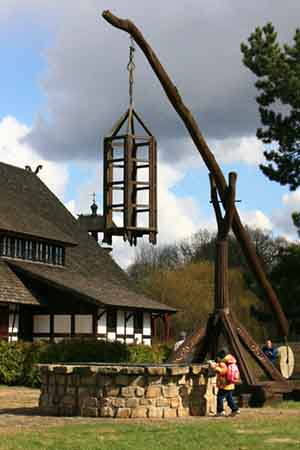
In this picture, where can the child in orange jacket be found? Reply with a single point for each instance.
(225, 387)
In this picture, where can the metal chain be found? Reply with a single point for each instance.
(130, 68)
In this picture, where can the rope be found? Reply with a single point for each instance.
(130, 68)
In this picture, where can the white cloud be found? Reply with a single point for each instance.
(282, 217)
(256, 219)
(14, 151)
(248, 150)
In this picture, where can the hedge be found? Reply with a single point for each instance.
(18, 359)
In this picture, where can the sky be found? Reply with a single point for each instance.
(64, 84)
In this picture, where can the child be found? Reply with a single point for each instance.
(227, 375)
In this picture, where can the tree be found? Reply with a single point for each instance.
(296, 220)
(278, 71)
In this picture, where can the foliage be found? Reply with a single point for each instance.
(296, 221)
(285, 279)
(190, 289)
(18, 359)
(278, 71)
(84, 350)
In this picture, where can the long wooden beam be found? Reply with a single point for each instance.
(208, 157)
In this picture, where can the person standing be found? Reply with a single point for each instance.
(227, 376)
(270, 351)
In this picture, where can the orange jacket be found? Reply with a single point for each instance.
(221, 369)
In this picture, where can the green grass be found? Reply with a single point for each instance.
(261, 433)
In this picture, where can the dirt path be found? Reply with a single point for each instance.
(19, 411)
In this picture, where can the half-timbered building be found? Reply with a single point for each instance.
(56, 281)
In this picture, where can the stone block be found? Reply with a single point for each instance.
(155, 413)
(169, 413)
(132, 402)
(111, 391)
(60, 390)
(128, 391)
(75, 379)
(91, 402)
(89, 380)
(153, 392)
(170, 391)
(66, 411)
(133, 370)
(44, 400)
(139, 412)
(122, 380)
(137, 380)
(178, 370)
(183, 412)
(99, 392)
(68, 400)
(51, 379)
(106, 411)
(157, 371)
(118, 402)
(147, 402)
(103, 380)
(175, 402)
(60, 379)
(139, 391)
(196, 369)
(154, 380)
(83, 392)
(163, 402)
(123, 413)
(89, 411)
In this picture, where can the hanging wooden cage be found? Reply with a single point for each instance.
(129, 182)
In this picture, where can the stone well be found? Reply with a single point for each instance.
(127, 391)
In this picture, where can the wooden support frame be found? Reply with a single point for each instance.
(189, 121)
(222, 321)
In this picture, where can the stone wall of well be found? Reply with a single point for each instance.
(127, 391)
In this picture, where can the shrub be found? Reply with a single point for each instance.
(18, 359)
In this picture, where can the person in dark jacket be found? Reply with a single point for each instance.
(270, 351)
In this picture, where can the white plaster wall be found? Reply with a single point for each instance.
(147, 341)
(129, 341)
(62, 323)
(147, 324)
(120, 322)
(83, 323)
(101, 326)
(120, 340)
(129, 325)
(41, 323)
(111, 336)
(138, 337)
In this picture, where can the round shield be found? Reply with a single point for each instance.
(286, 360)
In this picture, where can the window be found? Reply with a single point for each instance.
(32, 250)
(138, 322)
(111, 320)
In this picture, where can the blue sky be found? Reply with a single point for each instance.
(64, 83)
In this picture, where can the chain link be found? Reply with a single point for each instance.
(130, 68)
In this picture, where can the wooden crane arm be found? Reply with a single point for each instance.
(208, 157)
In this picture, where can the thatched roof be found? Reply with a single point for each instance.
(29, 207)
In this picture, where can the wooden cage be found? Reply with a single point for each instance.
(125, 194)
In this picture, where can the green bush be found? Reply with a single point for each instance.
(18, 360)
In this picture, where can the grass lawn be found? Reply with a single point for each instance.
(254, 431)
